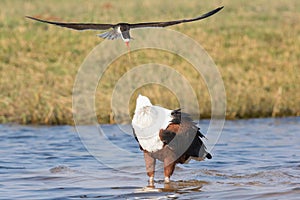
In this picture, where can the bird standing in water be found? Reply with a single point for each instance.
(121, 30)
(166, 135)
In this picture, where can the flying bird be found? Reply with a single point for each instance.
(167, 135)
(121, 30)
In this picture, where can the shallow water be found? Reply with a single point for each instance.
(253, 159)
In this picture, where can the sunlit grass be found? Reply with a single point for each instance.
(255, 44)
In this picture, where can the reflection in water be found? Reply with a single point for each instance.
(254, 159)
(179, 187)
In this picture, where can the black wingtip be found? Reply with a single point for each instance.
(209, 156)
(218, 9)
(210, 13)
(33, 18)
(29, 17)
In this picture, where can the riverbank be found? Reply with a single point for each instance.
(256, 46)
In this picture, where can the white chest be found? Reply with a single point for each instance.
(147, 123)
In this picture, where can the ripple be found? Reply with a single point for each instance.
(61, 169)
(255, 159)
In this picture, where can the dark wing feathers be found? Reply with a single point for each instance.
(166, 136)
(184, 127)
(182, 131)
(171, 23)
(93, 26)
(77, 26)
(179, 117)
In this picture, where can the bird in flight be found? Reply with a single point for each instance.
(121, 30)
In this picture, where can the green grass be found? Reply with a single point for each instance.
(255, 44)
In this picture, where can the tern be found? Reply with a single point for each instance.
(121, 30)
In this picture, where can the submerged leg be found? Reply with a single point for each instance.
(150, 166)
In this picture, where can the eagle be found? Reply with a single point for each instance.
(170, 136)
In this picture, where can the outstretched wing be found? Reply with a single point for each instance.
(170, 23)
(76, 26)
(110, 35)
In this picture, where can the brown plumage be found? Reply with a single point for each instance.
(182, 141)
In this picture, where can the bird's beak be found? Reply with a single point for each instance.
(127, 44)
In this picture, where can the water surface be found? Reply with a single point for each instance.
(253, 159)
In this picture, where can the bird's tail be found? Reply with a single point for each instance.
(199, 152)
(110, 35)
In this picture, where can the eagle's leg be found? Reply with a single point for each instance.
(150, 166)
(169, 166)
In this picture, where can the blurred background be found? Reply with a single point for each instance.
(255, 44)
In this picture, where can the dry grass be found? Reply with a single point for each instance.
(256, 45)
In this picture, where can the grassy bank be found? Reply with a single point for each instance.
(255, 44)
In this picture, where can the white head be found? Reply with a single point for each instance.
(141, 102)
(147, 122)
(142, 114)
